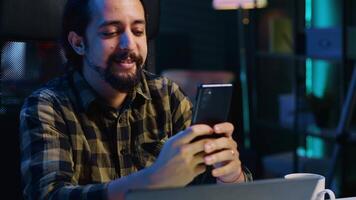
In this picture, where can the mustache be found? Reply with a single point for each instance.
(119, 57)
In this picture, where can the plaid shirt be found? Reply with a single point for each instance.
(73, 144)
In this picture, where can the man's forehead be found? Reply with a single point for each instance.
(107, 8)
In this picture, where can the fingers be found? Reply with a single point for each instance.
(195, 147)
(220, 144)
(195, 131)
(200, 169)
(228, 169)
(193, 154)
(199, 159)
(222, 156)
(224, 128)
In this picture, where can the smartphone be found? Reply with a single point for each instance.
(212, 105)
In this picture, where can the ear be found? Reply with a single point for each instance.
(77, 43)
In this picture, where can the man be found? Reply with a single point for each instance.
(108, 126)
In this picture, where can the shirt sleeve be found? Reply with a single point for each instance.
(247, 173)
(181, 108)
(46, 153)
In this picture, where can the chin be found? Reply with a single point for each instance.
(126, 74)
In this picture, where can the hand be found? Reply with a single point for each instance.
(222, 153)
(180, 161)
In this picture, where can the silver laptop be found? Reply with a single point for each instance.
(269, 189)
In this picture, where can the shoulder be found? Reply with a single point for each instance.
(167, 93)
(157, 83)
(53, 91)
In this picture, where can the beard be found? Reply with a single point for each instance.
(120, 81)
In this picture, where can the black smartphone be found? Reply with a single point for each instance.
(212, 105)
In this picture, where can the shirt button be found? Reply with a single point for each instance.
(124, 152)
(121, 120)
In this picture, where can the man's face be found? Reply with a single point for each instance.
(116, 45)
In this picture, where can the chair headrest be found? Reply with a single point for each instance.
(23, 20)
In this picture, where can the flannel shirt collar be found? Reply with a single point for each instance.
(87, 95)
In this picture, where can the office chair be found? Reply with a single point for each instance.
(22, 20)
(37, 21)
(342, 135)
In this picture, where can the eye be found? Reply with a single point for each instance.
(138, 32)
(109, 31)
(108, 34)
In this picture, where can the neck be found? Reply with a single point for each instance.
(113, 97)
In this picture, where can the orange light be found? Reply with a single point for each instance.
(238, 4)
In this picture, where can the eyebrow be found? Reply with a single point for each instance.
(118, 23)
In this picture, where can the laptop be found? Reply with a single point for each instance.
(269, 189)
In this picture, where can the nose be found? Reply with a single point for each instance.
(126, 41)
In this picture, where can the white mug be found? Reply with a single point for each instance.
(320, 191)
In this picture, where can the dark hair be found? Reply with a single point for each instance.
(76, 17)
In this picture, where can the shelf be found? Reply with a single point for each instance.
(284, 56)
(292, 57)
(325, 134)
(330, 135)
(272, 126)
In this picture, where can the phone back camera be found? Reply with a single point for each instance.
(208, 92)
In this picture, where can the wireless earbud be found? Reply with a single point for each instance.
(79, 48)
(76, 42)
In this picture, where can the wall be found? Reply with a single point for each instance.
(194, 36)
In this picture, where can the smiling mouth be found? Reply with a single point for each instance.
(127, 63)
